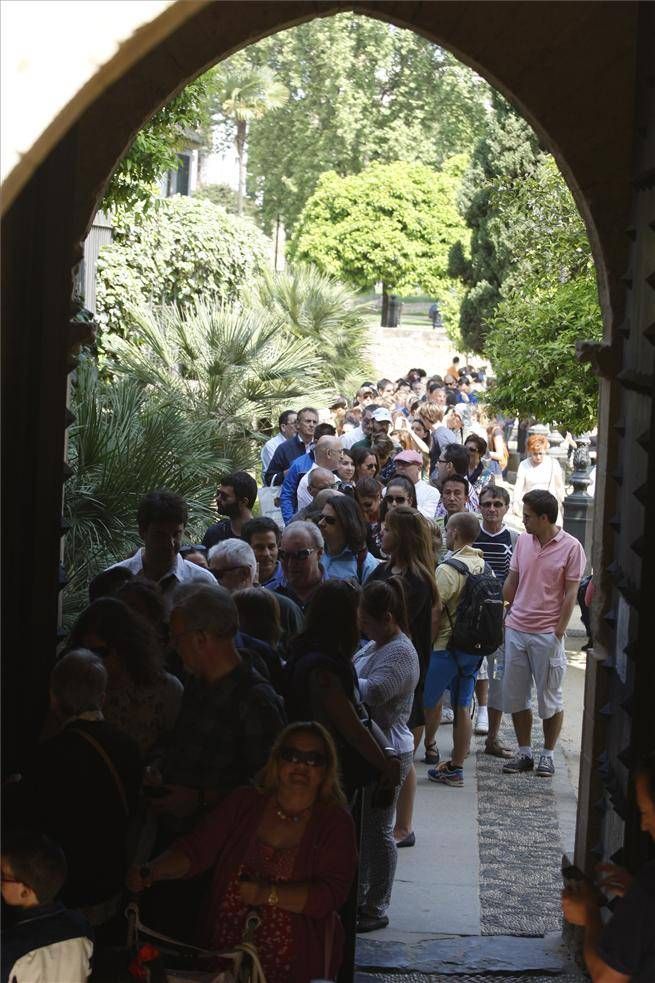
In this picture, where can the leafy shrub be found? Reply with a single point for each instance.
(178, 251)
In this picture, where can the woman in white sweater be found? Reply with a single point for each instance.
(539, 470)
(388, 672)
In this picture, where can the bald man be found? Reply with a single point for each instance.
(326, 455)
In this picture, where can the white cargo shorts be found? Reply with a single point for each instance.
(538, 656)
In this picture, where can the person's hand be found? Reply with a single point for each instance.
(253, 892)
(138, 879)
(615, 879)
(578, 902)
(180, 802)
(390, 777)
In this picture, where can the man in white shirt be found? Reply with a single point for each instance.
(162, 516)
(409, 464)
(287, 428)
(326, 455)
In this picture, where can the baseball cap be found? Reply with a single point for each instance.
(409, 457)
(381, 415)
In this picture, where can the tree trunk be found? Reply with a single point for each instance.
(241, 152)
(385, 306)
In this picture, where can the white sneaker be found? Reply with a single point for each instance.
(482, 721)
(447, 715)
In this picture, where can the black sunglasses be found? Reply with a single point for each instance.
(329, 519)
(398, 499)
(315, 759)
(296, 554)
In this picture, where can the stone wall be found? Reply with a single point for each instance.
(395, 350)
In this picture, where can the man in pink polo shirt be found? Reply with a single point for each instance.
(541, 587)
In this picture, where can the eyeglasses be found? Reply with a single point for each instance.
(330, 520)
(396, 499)
(296, 554)
(442, 460)
(294, 756)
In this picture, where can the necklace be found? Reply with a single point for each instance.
(293, 817)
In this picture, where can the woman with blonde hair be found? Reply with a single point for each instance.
(541, 471)
(286, 848)
(407, 541)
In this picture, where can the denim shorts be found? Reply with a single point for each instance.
(453, 670)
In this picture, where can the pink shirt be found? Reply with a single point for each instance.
(543, 572)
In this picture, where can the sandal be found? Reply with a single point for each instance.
(431, 756)
(497, 750)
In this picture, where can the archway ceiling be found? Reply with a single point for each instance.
(569, 68)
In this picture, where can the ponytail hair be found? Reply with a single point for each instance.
(380, 597)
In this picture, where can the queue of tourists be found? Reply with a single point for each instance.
(238, 726)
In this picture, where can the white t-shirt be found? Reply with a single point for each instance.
(427, 498)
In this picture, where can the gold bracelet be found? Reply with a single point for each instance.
(273, 898)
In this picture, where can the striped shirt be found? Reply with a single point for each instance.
(497, 550)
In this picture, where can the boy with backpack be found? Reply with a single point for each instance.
(469, 627)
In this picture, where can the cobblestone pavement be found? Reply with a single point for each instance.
(476, 978)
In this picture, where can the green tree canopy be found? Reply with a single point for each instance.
(178, 251)
(393, 223)
(360, 91)
(548, 301)
(504, 157)
(156, 145)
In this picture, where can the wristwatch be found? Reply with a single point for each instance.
(273, 898)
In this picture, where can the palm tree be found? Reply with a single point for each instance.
(319, 309)
(245, 94)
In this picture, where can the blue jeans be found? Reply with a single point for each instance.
(453, 670)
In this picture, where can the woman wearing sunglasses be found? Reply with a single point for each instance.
(344, 530)
(366, 463)
(286, 849)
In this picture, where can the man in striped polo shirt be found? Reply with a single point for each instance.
(497, 544)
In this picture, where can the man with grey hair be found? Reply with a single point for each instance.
(234, 565)
(326, 456)
(81, 787)
(230, 715)
(300, 553)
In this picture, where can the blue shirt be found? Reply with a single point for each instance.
(276, 578)
(289, 493)
(343, 566)
(283, 458)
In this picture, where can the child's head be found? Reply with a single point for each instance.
(33, 869)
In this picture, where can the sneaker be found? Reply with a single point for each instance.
(447, 774)
(546, 766)
(447, 715)
(482, 721)
(520, 762)
(431, 756)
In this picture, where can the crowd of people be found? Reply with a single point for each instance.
(236, 724)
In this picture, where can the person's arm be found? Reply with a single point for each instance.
(422, 446)
(333, 869)
(580, 907)
(497, 450)
(569, 602)
(288, 496)
(510, 586)
(172, 865)
(345, 719)
(386, 680)
(519, 487)
(437, 611)
(276, 469)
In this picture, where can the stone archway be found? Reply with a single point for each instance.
(558, 63)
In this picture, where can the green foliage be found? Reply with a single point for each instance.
(504, 157)
(156, 145)
(178, 251)
(226, 197)
(314, 307)
(126, 440)
(532, 349)
(547, 303)
(393, 223)
(359, 91)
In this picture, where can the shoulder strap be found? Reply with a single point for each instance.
(457, 565)
(361, 559)
(120, 788)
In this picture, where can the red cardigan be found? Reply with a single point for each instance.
(326, 857)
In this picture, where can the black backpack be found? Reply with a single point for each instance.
(478, 627)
